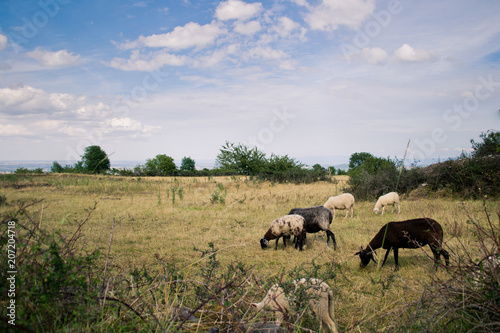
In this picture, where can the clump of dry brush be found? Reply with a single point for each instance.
(468, 298)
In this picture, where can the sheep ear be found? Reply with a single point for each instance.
(357, 253)
(360, 248)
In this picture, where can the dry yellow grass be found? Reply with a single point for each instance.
(150, 223)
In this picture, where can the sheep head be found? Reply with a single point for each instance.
(376, 210)
(365, 256)
(264, 243)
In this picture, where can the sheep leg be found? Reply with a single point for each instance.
(446, 256)
(329, 235)
(396, 258)
(383, 208)
(387, 254)
(346, 213)
(277, 240)
(300, 242)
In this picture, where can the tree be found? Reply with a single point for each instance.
(281, 163)
(357, 159)
(187, 164)
(95, 160)
(240, 158)
(161, 165)
(56, 168)
(489, 146)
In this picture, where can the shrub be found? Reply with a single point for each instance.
(372, 177)
(56, 283)
(466, 177)
(468, 299)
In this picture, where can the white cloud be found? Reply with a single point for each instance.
(330, 14)
(149, 62)
(12, 130)
(247, 28)
(3, 42)
(130, 125)
(408, 53)
(265, 53)
(28, 100)
(190, 35)
(374, 55)
(286, 26)
(61, 58)
(237, 10)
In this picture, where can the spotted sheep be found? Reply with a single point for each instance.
(285, 227)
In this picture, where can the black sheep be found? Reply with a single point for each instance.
(410, 234)
(317, 218)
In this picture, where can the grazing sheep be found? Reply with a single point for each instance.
(391, 198)
(317, 218)
(321, 302)
(285, 226)
(342, 201)
(410, 234)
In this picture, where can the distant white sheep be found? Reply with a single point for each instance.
(285, 227)
(342, 201)
(391, 198)
(321, 302)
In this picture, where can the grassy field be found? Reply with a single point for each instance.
(175, 219)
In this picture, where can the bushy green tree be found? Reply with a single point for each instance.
(240, 158)
(56, 168)
(187, 164)
(370, 176)
(357, 159)
(95, 160)
(161, 165)
(489, 146)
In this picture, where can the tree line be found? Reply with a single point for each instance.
(470, 175)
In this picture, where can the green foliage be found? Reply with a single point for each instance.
(161, 165)
(219, 195)
(58, 168)
(466, 177)
(489, 146)
(25, 171)
(341, 172)
(187, 164)
(357, 159)
(241, 159)
(55, 282)
(370, 177)
(94, 160)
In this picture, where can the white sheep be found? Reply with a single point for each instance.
(321, 302)
(287, 225)
(391, 198)
(342, 201)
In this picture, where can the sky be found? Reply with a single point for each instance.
(311, 79)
